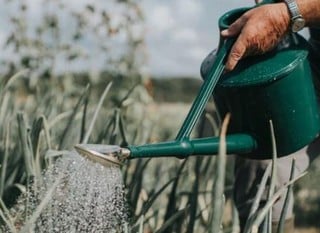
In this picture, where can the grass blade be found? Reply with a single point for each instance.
(257, 199)
(115, 128)
(58, 118)
(235, 223)
(125, 98)
(171, 206)
(287, 199)
(15, 77)
(220, 176)
(264, 211)
(141, 224)
(25, 144)
(4, 108)
(5, 215)
(136, 184)
(74, 112)
(268, 222)
(167, 225)
(41, 206)
(122, 132)
(98, 108)
(193, 198)
(35, 142)
(84, 117)
(4, 164)
(46, 131)
(154, 197)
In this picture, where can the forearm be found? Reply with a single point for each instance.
(310, 11)
(261, 28)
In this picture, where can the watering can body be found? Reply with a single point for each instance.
(276, 87)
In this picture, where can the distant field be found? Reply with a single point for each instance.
(175, 89)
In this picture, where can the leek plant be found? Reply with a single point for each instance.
(163, 195)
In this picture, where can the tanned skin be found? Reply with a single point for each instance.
(260, 29)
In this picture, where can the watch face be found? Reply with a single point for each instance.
(298, 24)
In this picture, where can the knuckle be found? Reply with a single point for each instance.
(238, 51)
(235, 55)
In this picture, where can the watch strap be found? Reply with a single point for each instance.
(293, 9)
(297, 21)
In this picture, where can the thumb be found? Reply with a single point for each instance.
(237, 52)
(235, 28)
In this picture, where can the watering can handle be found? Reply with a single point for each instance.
(266, 2)
(208, 86)
(206, 90)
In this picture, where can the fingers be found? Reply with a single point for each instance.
(235, 28)
(236, 53)
(238, 50)
(258, 30)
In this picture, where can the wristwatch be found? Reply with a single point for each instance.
(297, 21)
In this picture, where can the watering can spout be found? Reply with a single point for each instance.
(113, 155)
(235, 144)
(105, 155)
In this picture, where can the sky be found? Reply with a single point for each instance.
(179, 33)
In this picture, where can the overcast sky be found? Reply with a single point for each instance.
(180, 33)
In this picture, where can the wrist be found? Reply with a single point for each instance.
(310, 10)
(284, 15)
(297, 21)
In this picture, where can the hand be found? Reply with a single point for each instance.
(259, 30)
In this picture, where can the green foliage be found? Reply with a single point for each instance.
(40, 128)
(43, 115)
(56, 36)
(175, 196)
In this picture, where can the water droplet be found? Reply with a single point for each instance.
(89, 198)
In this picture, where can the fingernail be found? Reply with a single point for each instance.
(224, 32)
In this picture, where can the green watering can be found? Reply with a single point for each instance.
(276, 86)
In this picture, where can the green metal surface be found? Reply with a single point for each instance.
(267, 68)
(237, 143)
(205, 92)
(278, 87)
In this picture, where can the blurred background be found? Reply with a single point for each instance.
(176, 34)
(57, 57)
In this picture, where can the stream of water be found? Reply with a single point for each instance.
(89, 198)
